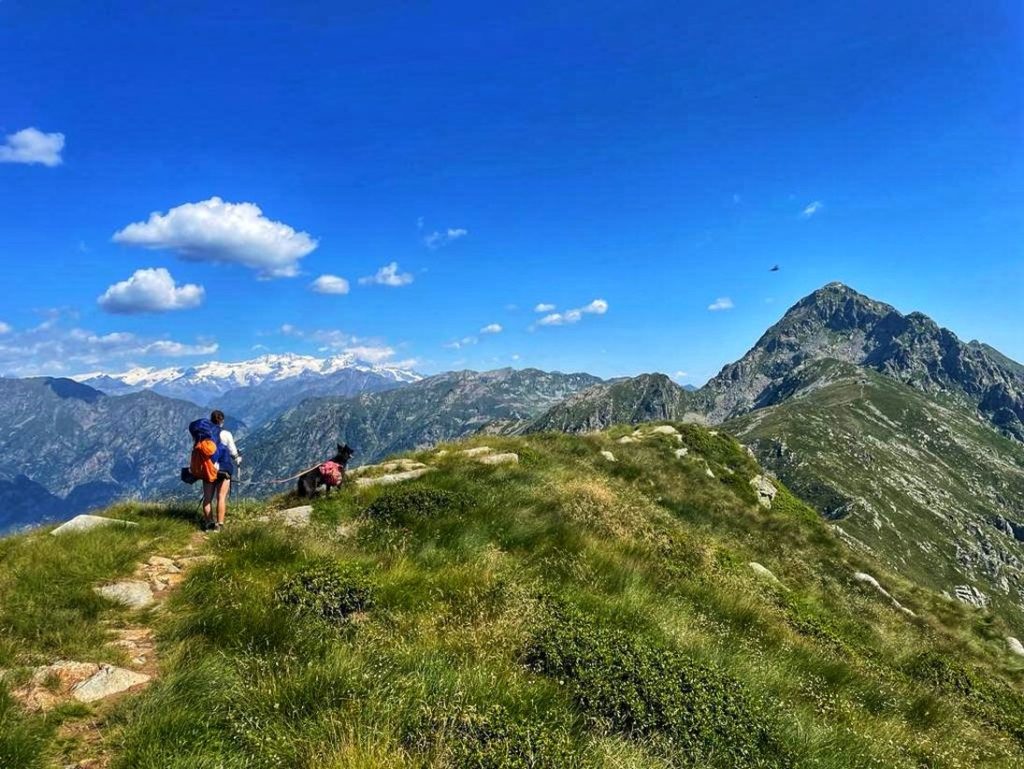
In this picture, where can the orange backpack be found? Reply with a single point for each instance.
(201, 463)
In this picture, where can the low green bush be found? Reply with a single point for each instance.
(399, 505)
(24, 739)
(327, 590)
(641, 687)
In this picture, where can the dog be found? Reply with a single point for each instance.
(311, 480)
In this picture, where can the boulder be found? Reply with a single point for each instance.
(867, 579)
(608, 455)
(765, 489)
(971, 595)
(627, 439)
(132, 593)
(88, 522)
(293, 516)
(1016, 647)
(476, 451)
(48, 685)
(107, 681)
(764, 573)
(665, 430)
(680, 453)
(499, 459)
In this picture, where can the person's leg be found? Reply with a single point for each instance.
(207, 502)
(223, 488)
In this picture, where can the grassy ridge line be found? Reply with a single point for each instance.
(558, 613)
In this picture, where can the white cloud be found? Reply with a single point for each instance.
(330, 284)
(544, 307)
(5, 328)
(52, 348)
(596, 307)
(371, 354)
(515, 356)
(458, 344)
(388, 275)
(215, 231)
(811, 209)
(721, 303)
(30, 146)
(151, 290)
(680, 375)
(440, 238)
(492, 328)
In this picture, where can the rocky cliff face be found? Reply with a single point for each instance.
(837, 323)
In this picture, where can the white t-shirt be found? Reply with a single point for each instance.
(228, 441)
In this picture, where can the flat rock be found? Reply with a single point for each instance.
(627, 439)
(162, 562)
(764, 573)
(867, 579)
(49, 685)
(88, 522)
(1016, 647)
(477, 451)
(395, 465)
(709, 472)
(294, 516)
(970, 595)
(107, 681)
(133, 593)
(608, 455)
(680, 453)
(384, 480)
(765, 489)
(499, 459)
(665, 430)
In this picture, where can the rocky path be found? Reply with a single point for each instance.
(132, 643)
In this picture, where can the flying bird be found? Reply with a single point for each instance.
(774, 269)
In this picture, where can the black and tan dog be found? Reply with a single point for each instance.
(311, 480)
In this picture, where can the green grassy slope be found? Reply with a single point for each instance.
(565, 611)
(925, 485)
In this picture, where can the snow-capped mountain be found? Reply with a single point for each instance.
(277, 378)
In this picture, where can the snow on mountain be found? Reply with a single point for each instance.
(206, 381)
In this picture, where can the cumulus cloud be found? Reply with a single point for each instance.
(811, 209)
(31, 146)
(439, 238)
(151, 290)
(371, 354)
(721, 303)
(52, 348)
(458, 344)
(492, 328)
(680, 375)
(596, 307)
(544, 307)
(215, 231)
(5, 328)
(330, 284)
(388, 275)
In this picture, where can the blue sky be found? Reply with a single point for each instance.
(629, 164)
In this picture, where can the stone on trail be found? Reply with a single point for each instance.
(49, 684)
(132, 593)
(384, 480)
(107, 681)
(608, 455)
(1016, 647)
(87, 522)
(294, 516)
(765, 489)
(499, 459)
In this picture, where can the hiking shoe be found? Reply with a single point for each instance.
(217, 527)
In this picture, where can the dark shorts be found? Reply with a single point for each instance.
(223, 475)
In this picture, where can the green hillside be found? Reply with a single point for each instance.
(924, 484)
(564, 608)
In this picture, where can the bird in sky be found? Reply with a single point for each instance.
(774, 269)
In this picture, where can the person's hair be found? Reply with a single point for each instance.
(217, 417)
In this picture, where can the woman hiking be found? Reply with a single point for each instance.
(225, 460)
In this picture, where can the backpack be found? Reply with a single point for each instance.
(330, 473)
(205, 449)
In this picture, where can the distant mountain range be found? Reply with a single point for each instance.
(255, 390)
(910, 440)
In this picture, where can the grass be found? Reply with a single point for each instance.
(567, 611)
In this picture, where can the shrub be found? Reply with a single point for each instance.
(403, 504)
(496, 738)
(641, 687)
(939, 672)
(328, 591)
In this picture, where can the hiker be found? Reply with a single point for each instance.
(225, 461)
